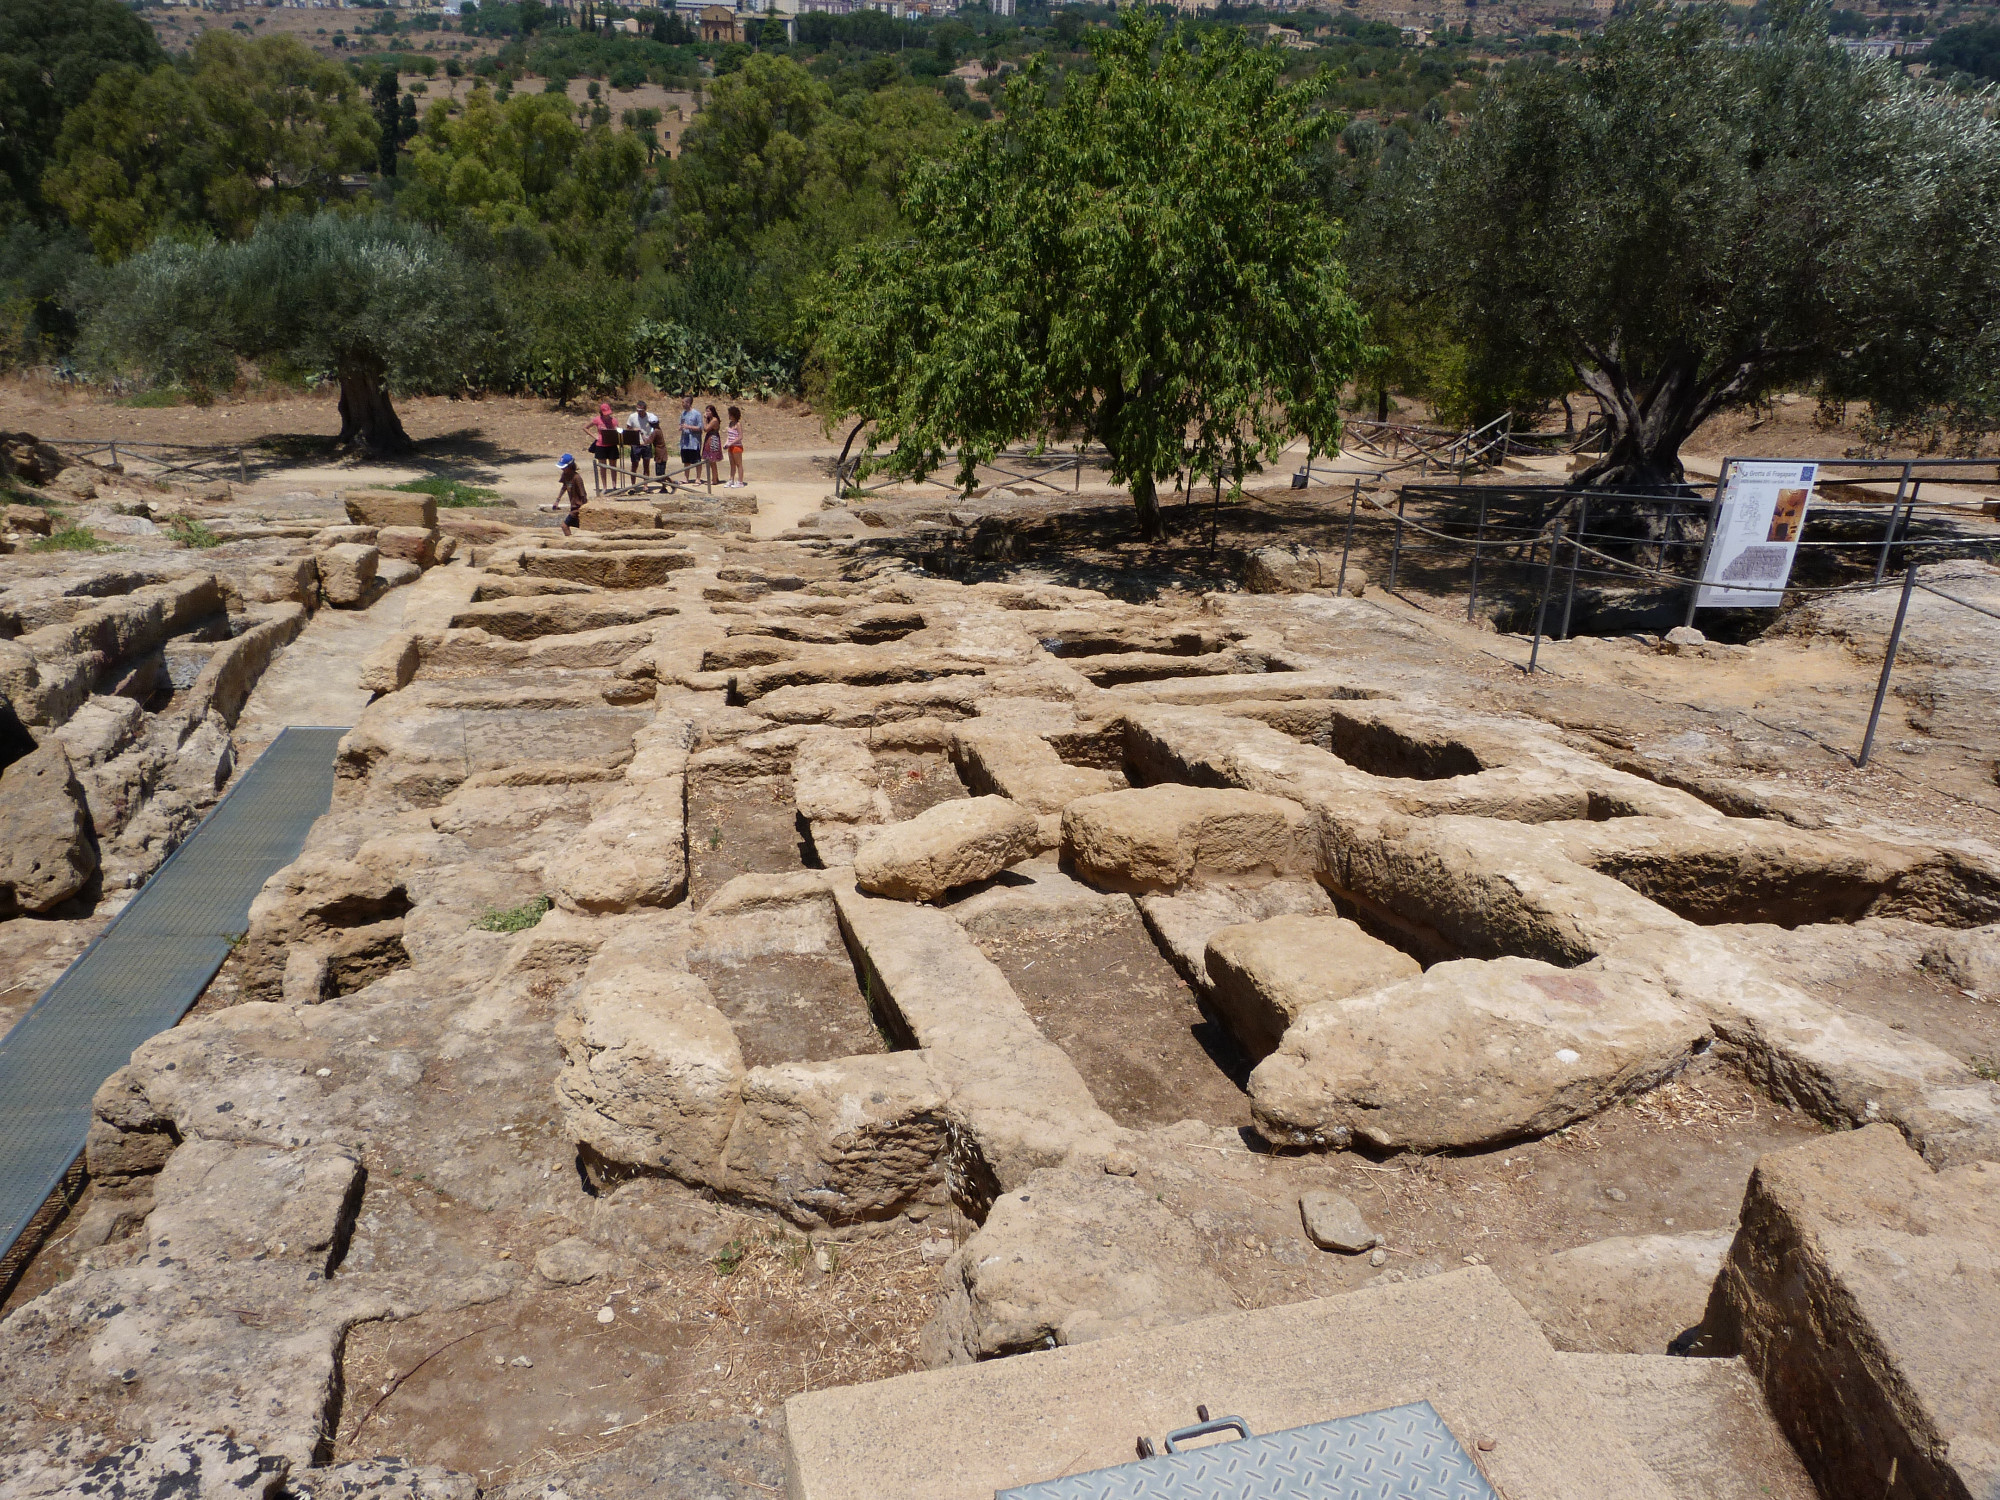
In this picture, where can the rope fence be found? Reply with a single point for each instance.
(163, 458)
(1553, 528)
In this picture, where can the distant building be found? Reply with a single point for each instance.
(718, 24)
(1001, 7)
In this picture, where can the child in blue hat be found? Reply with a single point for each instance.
(571, 490)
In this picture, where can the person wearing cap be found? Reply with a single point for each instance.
(570, 490)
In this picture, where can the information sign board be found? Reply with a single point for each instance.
(1756, 534)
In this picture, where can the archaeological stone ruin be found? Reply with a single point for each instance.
(762, 1015)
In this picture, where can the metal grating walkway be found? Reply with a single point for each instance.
(148, 967)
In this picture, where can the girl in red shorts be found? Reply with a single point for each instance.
(732, 443)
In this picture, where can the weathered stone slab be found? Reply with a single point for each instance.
(634, 853)
(47, 853)
(1159, 838)
(833, 786)
(1023, 766)
(652, 1075)
(855, 666)
(650, 568)
(562, 614)
(1072, 1257)
(221, 1202)
(391, 508)
(1263, 975)
(1022, 1101)
(347, 573)
(952, 844)
(1863, 1289)
(618, 515)
(412, 544)
(1183, 921)
(839, 1142)
(1469, 1054)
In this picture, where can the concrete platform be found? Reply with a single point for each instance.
(1700, 1424)
(1458, 1341)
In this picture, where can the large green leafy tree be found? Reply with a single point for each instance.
(745, 158)
(1687, 221)
(1145, 260)
(248, 127)
(526, 165)
(374, 302)
(52, 52)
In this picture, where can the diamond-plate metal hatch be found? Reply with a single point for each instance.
(1402, 1453)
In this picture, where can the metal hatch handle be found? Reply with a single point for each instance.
(1203, 1429)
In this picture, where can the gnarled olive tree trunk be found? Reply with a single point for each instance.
(1649, 416)
(1647, 420)
(367, 420)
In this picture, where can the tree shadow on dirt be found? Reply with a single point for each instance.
(464, 453)
(1097, 546)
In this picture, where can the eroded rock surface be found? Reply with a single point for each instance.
(47, 851)
(950, 845)
(651, 926)
(1859, 1289)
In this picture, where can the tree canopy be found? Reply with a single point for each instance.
(1687, 221)
(52, 52)
(1972, 49)
(375, 301)
(526, 164)
(1144, 260)
(251, 126)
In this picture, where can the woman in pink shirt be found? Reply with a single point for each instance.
(604, 440)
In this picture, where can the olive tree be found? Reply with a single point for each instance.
(1144, 260)
(372, 302)
(1690, 220)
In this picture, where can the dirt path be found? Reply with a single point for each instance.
(315, 679)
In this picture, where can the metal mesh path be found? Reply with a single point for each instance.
(148, 967)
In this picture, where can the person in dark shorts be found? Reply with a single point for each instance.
(604, 443)
(660, 449)
(639, 438)
(570, 498)
(690, 436)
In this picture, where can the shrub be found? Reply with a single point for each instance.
(71, 538)
(451, 494)
(677, 358)
(189, 532)
(515, 918)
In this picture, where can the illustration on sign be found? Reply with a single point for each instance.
(1756, 534)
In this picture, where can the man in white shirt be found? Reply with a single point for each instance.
(690, 435)
(639, 437)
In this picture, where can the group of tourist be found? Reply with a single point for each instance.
(705, 440)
